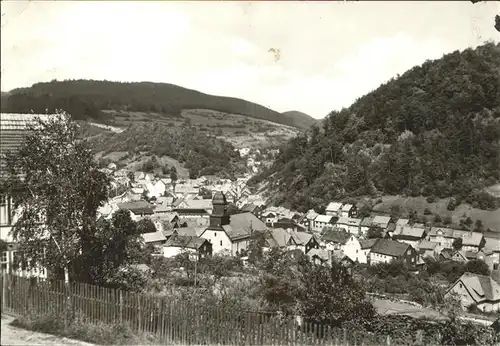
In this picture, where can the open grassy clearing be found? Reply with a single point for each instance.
(490, 219)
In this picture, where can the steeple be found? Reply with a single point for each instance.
(219, 216)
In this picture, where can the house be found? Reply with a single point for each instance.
(492, 243)
(351, 225)
(154, 239)
(459, 256)
(339, 239)
(156, 188)
(166, 221)
(308, 219)
(194, 208)
(252, 208)
(13, 130)
(348, 210)
(333, 209)
(480, 290)
(194, 246)
(230, 233)
(409, 235)
(137, 209)
(322, 221)
(365, 225)
(287, 224)
(302, 241)
(471, 241)
(428, 249)
(269, 217)
(386, 250)
(366, 246)
(381, 221)
(139, 176)
(163, 205)
(319, 256)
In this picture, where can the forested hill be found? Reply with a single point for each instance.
(87, 98)
(435, 130)
(301, 120)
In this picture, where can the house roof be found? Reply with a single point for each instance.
(492, 244)
(198, 204)
(480, 287)
(402, 222)
(409, 232)
(427, 245)
(153, 237)
(301, 238)
(334, 206)
(185, 241)
(14, 128)
(367, 243)
(311, 214)
(248, 221)
(280, 236)
(137, 207)
(350, 221)
(323, 218)
(382, 221)
(468, 238)
(389, 247)
(366, 222)
(319, 253)
(335, 236)
(189, 231)
(346, 207)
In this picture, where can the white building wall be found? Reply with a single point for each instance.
(219, 239)
(379, 258)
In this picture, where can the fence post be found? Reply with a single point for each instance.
(4, 290)
(388, 340)
(121, 306)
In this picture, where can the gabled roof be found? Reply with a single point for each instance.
(137, 207)
(382, 221)
(319, 253)
(334, 206)
(248, 221)
(14, 128)
(480, 287)
(367, 243)
(492, 244)
(389, 247)
(185, 241)
(402, 222)
(427, 245)
(346, 207)
(153, 237)
(366, 222)
(311, 214)
(301, 238)
(350, 221)
(280, 236)
(189, 231)
(323, 218)
(409, 232)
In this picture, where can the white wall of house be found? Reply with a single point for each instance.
(219, 239)
(239, 245)
(413, 243)
(172, 251)
(156, 189)
(380, 258)
(443, 242)
(352, 249)
(470, 248)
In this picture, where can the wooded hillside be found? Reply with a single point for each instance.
(434, 131)
(86, 99)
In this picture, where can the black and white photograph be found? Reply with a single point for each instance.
(250, 173)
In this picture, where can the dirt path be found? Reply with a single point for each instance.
(17, 336)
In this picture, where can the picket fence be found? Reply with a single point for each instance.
(170, 321)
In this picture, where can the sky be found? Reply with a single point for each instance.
(313, 57)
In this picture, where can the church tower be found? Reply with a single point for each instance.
(219, 216)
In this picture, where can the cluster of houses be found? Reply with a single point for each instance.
(193, 216)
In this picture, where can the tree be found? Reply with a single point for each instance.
(457, 243)
(477, 267)
(447, 220)
(145, 226)
(479, 225)
(374, 232)
(131, 176)
(57, 187)
(331, 295)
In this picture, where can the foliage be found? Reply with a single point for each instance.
(477, 267)
(434, 131)
(57, 187)
(374, 232)
(3, 246)
(145, 226)
(457, 243)
(200, 153)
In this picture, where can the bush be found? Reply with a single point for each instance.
(431, 199)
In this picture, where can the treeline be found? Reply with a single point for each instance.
(144, 96)
(201, 154)
(434, 131)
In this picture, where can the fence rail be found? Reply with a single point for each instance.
(171, 321)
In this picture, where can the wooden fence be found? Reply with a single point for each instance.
(170, 321)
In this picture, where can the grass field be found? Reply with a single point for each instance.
(490, 219)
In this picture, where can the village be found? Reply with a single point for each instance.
(210, 215)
